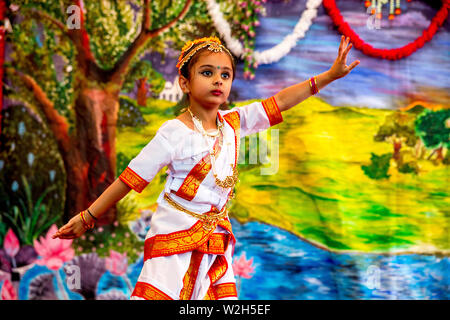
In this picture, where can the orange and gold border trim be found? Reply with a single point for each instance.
(218, 268)
(148, 292)
(216, 244)
(226, 224)
(225, 290)
(272, 110)
(219, 291)
(196, 237)
(191, 275)
(176, 242)
(198, 173)
(133, 180)
(210, 294)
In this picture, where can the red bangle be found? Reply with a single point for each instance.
(83, 220)
(313, 85)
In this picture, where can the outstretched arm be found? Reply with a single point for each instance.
(293, 95)
(74, 228)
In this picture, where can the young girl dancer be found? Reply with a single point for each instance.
(189, 247)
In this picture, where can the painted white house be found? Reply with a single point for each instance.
(172, 91)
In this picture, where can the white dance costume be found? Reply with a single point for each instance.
(184, 257)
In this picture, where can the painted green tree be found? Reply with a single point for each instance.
(434, 129)
(398, 129)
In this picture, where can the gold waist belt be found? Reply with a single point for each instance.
(209, 218)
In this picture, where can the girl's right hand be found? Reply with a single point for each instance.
(72, 229)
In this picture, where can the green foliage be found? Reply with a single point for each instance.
(196, 24)
(144, 69)
(122, 162)
(409, 167)
(29, 157)
(129, 113)
(117, 237)
(446, 160)
(3, 229)
(379, 166)
(127, 209)
(30, 219)
(399, 124)
(112, 28)
(431, 127)
(43, 52)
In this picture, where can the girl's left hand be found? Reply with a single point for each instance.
(339, 69)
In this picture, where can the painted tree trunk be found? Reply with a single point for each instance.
(91, 162)
(142, 92)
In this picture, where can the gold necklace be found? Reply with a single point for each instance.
(229, 181)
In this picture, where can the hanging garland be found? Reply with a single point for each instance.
(245, 19)
(390, 54)
(268, 56)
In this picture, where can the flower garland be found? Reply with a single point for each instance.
(274, 54)
(390, 54)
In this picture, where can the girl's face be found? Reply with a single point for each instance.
(210, 80)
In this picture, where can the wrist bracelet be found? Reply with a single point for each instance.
(86, 225)
(91, 215)
(313, 85)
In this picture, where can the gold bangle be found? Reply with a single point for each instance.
(86, 225)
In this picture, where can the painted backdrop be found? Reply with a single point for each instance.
(350, 201)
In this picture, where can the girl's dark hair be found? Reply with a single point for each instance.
(185, 70)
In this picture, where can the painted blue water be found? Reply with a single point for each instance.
(289, 268)
(286, 267)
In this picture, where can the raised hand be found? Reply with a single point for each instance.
(339, 68)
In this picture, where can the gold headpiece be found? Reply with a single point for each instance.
(214, 44)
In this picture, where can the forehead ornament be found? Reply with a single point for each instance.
(213, 44)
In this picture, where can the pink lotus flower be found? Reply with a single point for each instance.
(53, 252)
(8, 292)
(243, 267)
(11, 244)
(117, 263)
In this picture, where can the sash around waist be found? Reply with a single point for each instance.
(203, 200)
